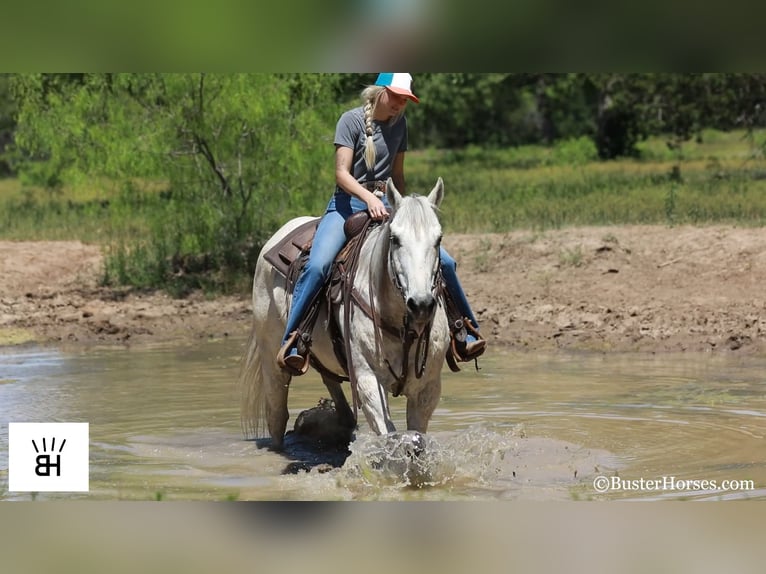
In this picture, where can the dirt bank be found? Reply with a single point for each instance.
(630, 288)
(50, 292)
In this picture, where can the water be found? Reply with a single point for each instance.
(164, 424)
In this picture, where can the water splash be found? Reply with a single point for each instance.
(410, 461)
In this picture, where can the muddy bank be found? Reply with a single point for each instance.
(50, 292)
(628, 288)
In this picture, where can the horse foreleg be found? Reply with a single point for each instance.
(374, 402)
(421, 406)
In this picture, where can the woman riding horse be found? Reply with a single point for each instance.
(370, 142)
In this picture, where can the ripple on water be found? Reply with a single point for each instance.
(481, 462)
(166, 420)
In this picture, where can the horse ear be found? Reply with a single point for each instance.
(392, 194)
(437, 193)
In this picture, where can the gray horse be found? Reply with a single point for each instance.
(399, 348)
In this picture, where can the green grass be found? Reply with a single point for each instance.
(571, 257)
(91, 213)
(721, 178)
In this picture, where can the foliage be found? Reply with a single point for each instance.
(183, 176)
(214, 162)
(7, 124)
(616, 111)
(718, 179)
(502, 190)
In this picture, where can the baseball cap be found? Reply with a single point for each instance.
(398, 83)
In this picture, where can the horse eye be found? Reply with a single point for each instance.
(395, 241)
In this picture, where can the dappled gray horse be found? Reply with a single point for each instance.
(396, 335)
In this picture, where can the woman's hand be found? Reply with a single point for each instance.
(343, 158)
(376, 208)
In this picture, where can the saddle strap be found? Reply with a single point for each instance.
(456, 326)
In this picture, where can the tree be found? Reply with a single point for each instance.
(7, 125)
(461, 109)
(218, 157)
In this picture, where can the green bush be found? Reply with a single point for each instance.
(139, 181)
(577, 151)
(212, 163)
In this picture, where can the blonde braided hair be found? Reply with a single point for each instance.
(371, 96)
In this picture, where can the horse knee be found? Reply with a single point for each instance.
(421, 407)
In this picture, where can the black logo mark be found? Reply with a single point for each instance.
(44, 464)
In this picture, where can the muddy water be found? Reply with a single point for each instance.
(164, 424)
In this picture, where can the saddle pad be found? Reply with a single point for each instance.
(291, 246)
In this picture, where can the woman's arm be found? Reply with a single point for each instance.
(344, 157)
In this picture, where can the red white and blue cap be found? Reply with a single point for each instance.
(400, 84)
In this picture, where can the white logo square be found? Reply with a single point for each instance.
(48, 457)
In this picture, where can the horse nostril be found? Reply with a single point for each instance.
(422, 305)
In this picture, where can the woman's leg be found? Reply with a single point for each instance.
(328, 241)
(449, 273)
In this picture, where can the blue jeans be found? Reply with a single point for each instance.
(328, 242)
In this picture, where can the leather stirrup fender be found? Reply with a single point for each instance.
(450, 357)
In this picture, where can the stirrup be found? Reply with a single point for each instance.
(460, 351)
(297, 364)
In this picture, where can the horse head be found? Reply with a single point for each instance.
(414, 242)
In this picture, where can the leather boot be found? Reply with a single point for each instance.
(290, 359)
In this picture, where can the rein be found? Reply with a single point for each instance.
(405, 335)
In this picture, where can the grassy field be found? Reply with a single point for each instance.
(721, 178)
(30, 213)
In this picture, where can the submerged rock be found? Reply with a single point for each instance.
(321, 424)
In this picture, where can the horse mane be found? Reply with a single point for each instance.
(379, 254)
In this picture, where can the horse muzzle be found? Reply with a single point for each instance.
(420, 312)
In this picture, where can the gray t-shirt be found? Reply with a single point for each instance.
(389, 140)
